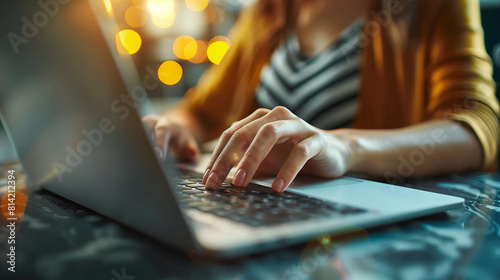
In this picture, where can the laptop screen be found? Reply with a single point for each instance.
(66, 91)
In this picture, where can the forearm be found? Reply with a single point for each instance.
(431, 148)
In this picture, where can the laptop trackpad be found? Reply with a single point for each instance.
(337, 190)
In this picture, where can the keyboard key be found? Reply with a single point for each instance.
(255, 206)
(195, 185)
(191, 191)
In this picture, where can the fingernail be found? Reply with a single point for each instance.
(239, 177)
(212, 182)
(278, 185)
(205, 176)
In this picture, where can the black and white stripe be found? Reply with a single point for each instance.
(322, 90)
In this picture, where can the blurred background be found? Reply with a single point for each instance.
(172, 42)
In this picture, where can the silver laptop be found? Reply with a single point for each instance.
(71, 103)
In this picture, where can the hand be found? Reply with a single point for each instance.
(276, 141)
(169, 133)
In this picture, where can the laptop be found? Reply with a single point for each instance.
(71, 104)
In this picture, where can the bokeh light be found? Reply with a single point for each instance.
(162, 12)
(197, 5)
(163, 20)
(140, 4)
(161, 6)
(181, 49)
(135, 17)
(220, 38)
(107, 4)
(170, 72)
(190, 49)
(216, 51)
(214, 15)
(201, 52)
(128, 42)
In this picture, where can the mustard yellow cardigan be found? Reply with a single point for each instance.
(421, 60)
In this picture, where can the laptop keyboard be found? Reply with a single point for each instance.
(255, 205)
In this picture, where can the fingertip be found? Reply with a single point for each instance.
(212, 182)
(205, 176)
(193, 152)
(239, 178)
(278, 185)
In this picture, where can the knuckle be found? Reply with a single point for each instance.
(281, 112)
(242, 136)
(269, 131)
(161, 126)
(147, 118)
(319, 137)
(262, 111)
(227, 134)
(303, 150)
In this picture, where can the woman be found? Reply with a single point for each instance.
(425, 100)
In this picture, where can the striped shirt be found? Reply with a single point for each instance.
(322, 90)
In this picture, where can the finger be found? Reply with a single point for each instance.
(300, 154)
(149, 122)
(162, 133)
(226, 136)
(184, 146)
(238, 144)
(268, 136)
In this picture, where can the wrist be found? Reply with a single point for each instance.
(353, 149)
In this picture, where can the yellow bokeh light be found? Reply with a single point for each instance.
(197, 5)
(140, 4)
(107, 4)
(162, 12)
(190, 49)
(160, 7)
(201, 52)
(170, 72)
(216, 51)
(163, 20)
(180, 47)
(128, 42)
(135, 17)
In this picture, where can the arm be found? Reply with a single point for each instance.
(460, 84)
(459, 132)
(280, 143)
(430, 148)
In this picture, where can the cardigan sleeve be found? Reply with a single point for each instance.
(226, 92)
(460, 74)
(213, 99)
